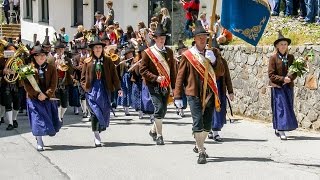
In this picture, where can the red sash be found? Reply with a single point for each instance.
(200, 69)
(161, 69)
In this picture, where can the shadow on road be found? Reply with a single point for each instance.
(228, 159)
(303, 138)
(120, 144)
(66, 147)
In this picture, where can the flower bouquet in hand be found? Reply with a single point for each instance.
(26, 72)
(300, 65)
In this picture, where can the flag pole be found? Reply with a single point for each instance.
(206, 64)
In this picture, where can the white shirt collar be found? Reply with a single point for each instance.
(164, 48)
(195, 48)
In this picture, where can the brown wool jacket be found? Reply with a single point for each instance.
(187, 76)
(227, 82)
(112, 82)
(150, 73)
(275, 71)
(51, 80)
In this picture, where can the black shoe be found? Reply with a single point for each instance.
(276, 133)
(10, 127)
(210, 135)
(196, 150)
(98, 145)
(2, 120)
(15, 123)
(153, 135)
(202, 158)
(217, 138)
(160, 140)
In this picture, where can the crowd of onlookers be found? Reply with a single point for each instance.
(307, 11)
(11, 9)
(222, 35)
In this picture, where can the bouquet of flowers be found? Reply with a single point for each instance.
(26, 72)
(300, 65)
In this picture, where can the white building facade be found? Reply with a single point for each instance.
(37, 15)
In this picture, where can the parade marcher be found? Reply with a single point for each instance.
(46, 45)
(141, 100)
(74, 94)
(181, 48)
(65, 70)
(99, 79)
(158, 71)
(42, 112)
(125, 75)
(224, 83)
(10, 92)
(282, 84)
(190, 78)
(84, 54)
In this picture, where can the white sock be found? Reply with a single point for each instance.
(126, 110)
(215, 133)
(97, 138)
(9, 117)
(14, 114)
(158, 123)
(153, 128)
(63, 111)
(140, 114)
(39, 141)
(76, 109)
(84, 106)
(198, 137)
(59, 112)
(181, 112)
(282, 133)
(204, 136)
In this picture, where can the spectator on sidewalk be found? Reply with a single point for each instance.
(166, 22)
(192, 8)
(204, 21)
(110, 18)
(16, 8)
(288, 7)
(312, 11)
(64, 35)
(6, 9)
(225, 37)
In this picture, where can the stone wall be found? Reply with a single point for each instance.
(248, 68)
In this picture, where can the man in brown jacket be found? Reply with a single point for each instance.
(189, 77)
(157, 69)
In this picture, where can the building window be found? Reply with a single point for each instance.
(44, 11)
(78, 12)
(28, 9)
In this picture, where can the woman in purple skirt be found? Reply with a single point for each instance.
(282, 84)
(42, 112)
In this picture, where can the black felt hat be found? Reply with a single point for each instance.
(199, 30)
(159, 31)
(96, 41)
(59, 43)
(281, 38)
(37, 50)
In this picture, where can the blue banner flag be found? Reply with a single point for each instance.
(246, 19)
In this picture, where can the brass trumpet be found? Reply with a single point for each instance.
(61, 63)
(14, 62)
